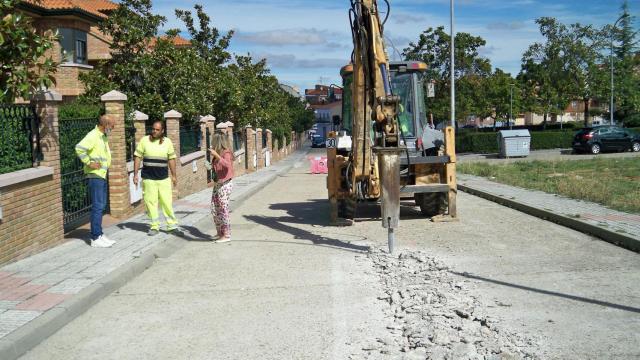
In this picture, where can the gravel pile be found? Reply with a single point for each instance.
(433, 315)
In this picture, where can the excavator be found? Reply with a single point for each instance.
(384, 150)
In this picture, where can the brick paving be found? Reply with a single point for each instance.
(587, 212)
(32, 286)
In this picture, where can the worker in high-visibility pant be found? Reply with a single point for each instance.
(158, 157)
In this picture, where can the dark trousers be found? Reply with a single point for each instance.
(98, 193)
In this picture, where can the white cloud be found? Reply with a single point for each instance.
(303, 37)
(291, 61)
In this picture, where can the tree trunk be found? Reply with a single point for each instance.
(586, 112)
(544, 121)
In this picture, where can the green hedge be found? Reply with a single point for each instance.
(77, 110)
(486, 143)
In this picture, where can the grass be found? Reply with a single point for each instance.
(614, 183)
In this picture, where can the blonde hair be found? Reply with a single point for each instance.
(221, 142)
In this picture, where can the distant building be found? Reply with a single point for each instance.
(323, 94)
(292, 90)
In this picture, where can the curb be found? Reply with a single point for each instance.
(609, 236)
(25, 338)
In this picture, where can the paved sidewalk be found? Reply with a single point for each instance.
(610, 225)
(40, 294)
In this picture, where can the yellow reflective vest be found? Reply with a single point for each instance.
(95, 148)
(155, 157)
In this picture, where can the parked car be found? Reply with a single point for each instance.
(605, 138)
(317, 141)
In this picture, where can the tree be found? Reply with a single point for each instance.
(626, 63)
(501, 90)
(562, 68)
(195, 80)
(25, 57)
(433, 48)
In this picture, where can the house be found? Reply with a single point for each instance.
(324, 117)
(81, 45)
(323, 94)
(574, 113)
(292, 90)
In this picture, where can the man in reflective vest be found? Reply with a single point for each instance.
(158, 157)
(93, 151)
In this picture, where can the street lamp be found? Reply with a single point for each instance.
(453, 87)
(611, 61)
(511, 106)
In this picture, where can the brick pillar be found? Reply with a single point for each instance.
(139, 122)
(203, 133)
(259, 148)
(283, 152)
(209, 123)
(46, 104)
(250, 147)
(293, 141)
(230, 134)
(269, 147)
(118, 173)
(222, 127)
(276, 152)
(172, 123)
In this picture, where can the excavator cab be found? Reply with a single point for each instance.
(407, 81)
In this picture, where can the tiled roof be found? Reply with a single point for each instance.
(93, 7)
(178, 41)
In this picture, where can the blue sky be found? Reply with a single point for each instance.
(306, 42)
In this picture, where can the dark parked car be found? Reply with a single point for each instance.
(317, 141)
(605, 138)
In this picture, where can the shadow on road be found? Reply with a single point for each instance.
(189, 233)
(552, 293)
(313, 212)
(278, 223)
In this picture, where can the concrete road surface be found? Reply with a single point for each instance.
(497, 284)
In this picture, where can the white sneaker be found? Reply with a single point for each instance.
(104, 237)
(100, 243)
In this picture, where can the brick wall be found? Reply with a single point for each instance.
(31, 199)
(189, 181)
(259, 153)
(32, 209)
(97, 46)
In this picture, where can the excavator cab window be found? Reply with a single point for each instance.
(402, 85)
(347, 80)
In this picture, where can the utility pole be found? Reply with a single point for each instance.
(453, 71)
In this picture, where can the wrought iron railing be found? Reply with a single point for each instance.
(19, 138)
(208, 154)
(237, 141)
(264, 139)
(130, 138)
(190, 139)
(76, 202)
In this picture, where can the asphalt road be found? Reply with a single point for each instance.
(291, 287)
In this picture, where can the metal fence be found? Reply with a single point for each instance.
(130, 138)
(237, 141)
(264, 139)
(76, 202)
(19, 138)
(190, 139)
(208, 154)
